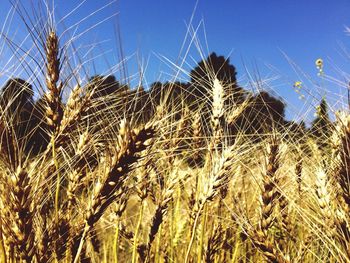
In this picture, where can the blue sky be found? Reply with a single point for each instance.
(253, 33)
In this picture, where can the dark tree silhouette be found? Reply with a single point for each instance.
(174, 95)
(16, 94)
(263, 114)
(203, 74)
(108, 95)
(139, 105)
(269, 107)
(156, 92)
(217, 65)
(296, 131)
(321, 125)
(169, 92)
(16, 101)
(104, 86)
(41, 137)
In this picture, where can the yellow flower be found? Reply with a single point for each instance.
(297, 84)
(319, 63)
(318, 109)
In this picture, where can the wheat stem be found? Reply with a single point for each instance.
(116, 242)
(3, 257)
(80, 248)
(201, 241)
(193, 233)
(134, 249)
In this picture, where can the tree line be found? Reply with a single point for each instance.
(260, 112)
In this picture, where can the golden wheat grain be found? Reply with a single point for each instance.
(54, 111)
(18, 224)
(130, 143)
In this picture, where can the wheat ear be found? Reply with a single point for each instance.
(217, 113)
(19, 222)
(261, 237)
(54, 111)
(344, 161)
(214, 244)
(270, 192)
(158, 217)
(130, 144)
(219, 177)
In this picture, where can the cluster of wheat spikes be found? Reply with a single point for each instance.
(170, 185)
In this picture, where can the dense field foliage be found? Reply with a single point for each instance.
(203, 171)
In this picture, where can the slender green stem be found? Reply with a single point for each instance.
(58, 176)
(134, 250)
(116, 242)
(157, 257)
(193, 233)
(77, 256)
(204, 219)
(235, 252)
(105, 253)
(2, 247)
(57, 186)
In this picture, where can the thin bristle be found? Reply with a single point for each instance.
(99, 165)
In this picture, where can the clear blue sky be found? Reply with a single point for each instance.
(252, 33)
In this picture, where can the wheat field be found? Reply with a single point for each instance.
(164, 176)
